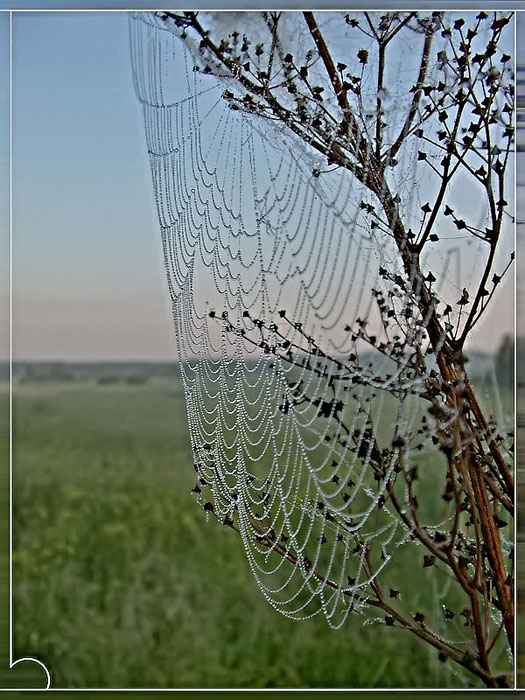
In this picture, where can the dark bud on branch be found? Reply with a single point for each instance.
(362, 55)
(464, 298)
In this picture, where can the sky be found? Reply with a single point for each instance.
(88, 276)
(4, 187)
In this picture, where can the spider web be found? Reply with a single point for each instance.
(277, 281)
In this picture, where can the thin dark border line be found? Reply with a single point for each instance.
(515, 528)
(259, 9)
(235, 690)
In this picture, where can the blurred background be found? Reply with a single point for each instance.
(119, 579)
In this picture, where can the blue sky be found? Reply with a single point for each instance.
(88, 278)
(4, 186)
(88, 274)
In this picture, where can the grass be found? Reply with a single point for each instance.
(119, 580)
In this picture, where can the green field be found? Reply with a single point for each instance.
(119, 580)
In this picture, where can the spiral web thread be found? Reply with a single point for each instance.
(276, 277)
